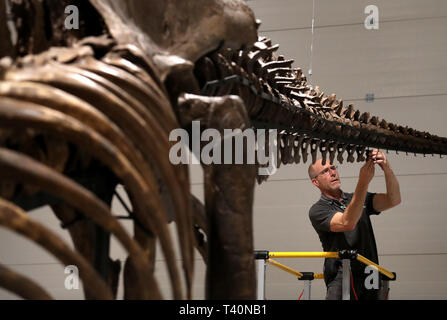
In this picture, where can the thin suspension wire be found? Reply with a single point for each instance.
(312, 39)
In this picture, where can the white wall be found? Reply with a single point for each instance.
(404, 64)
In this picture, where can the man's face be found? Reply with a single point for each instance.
(326, 177)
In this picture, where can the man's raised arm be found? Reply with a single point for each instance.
(384, 201)
(347, 221)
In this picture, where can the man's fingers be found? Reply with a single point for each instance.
(377, 153)
(380, 157)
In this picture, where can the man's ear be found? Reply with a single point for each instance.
(315, 182)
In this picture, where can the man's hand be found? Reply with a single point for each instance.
(379, 158)
(367, 172)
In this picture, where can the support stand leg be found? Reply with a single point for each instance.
(307, 289)
(346, 288)
(260, 291)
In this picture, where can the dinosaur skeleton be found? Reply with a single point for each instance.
(84, 110)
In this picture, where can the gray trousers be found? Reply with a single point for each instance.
(334, 289)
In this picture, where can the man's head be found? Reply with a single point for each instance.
(325, 177)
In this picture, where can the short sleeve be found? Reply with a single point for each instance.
(321, 217)
(369, 204)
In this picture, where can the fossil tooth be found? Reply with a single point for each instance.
(289, 149)
(315, 144)
(279, 147)
(360, 153)
(284, 149)
(297, 142)
(324, 148)
(332, 149)
(304, 149)
(351, 150)
(341, 149)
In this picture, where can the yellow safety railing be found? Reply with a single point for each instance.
(370, 263)
(303, 254)
(318, 276)
(290, 270)
(359, 257)
(285, 268)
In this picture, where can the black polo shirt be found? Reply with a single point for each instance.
(361, 238)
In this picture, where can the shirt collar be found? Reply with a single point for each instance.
(344, 196)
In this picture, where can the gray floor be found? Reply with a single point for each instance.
(404, 65)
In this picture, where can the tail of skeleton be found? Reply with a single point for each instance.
(278, 96)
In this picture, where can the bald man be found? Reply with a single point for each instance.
(342, 220)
